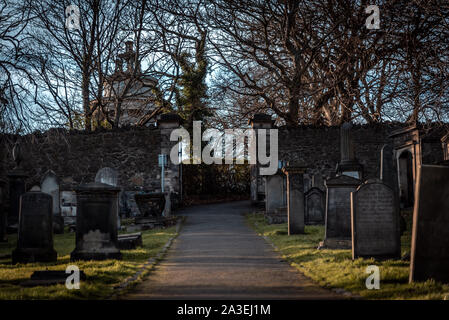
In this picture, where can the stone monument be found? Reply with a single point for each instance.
(430, 235)
(295, 198)
(338, 212)
(375, 222)
(35, 234)
(274, 193)
(96, 222)
(315, 206)
(50, 185)
(348, 165)
(16, 185)
(109, 176)
(3, 218)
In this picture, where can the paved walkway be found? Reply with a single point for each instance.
(217, 256)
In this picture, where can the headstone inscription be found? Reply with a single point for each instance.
(96, 222)
(35, 234)
(430, 236)
(375, 222)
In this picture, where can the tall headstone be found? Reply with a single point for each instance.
(430, 235)
(348, 165)
(315, 206)
(16, 185)
(274, 193)
(96, 222)
(35, 234)
(338, 212)
(3, 218)
(389, 176)
(295, 198)
(50, 185)
(375, 221)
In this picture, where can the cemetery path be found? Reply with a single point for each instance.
(217, 256)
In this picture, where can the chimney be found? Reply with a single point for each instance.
(129, 46)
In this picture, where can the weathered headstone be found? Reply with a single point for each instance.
(375, 221)
(274, 193)
(3, 218)
(96, 222)
(35, 234)
(348, 165)
(430, 236)
(315, 206)
(389, 176)
(109, 176)
(295, 198)
(338, 212)
(16, 185)
(50, 185)
(388, 168)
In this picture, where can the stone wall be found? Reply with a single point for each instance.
(319, 147)
(76, 157)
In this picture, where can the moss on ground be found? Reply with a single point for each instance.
(335, 268)
(102, 276)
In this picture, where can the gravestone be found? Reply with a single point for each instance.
(16, 185)
(3, 218)
(274, 193)
(338, 212)
(50, 185)
(295, 198)
(35, 234)
(96, 222)
(389, 176)
(348, 165)
(430, 235)
(375, 221)
(315, 206)
(109, 176)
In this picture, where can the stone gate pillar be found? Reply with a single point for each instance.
(257, 183)
(173, 175)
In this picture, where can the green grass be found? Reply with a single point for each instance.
(336, 269)
(102, 276)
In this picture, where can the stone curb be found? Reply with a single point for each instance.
(150, 264)
(339, 291)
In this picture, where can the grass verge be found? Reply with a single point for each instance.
(102, 276)
(336, 269)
